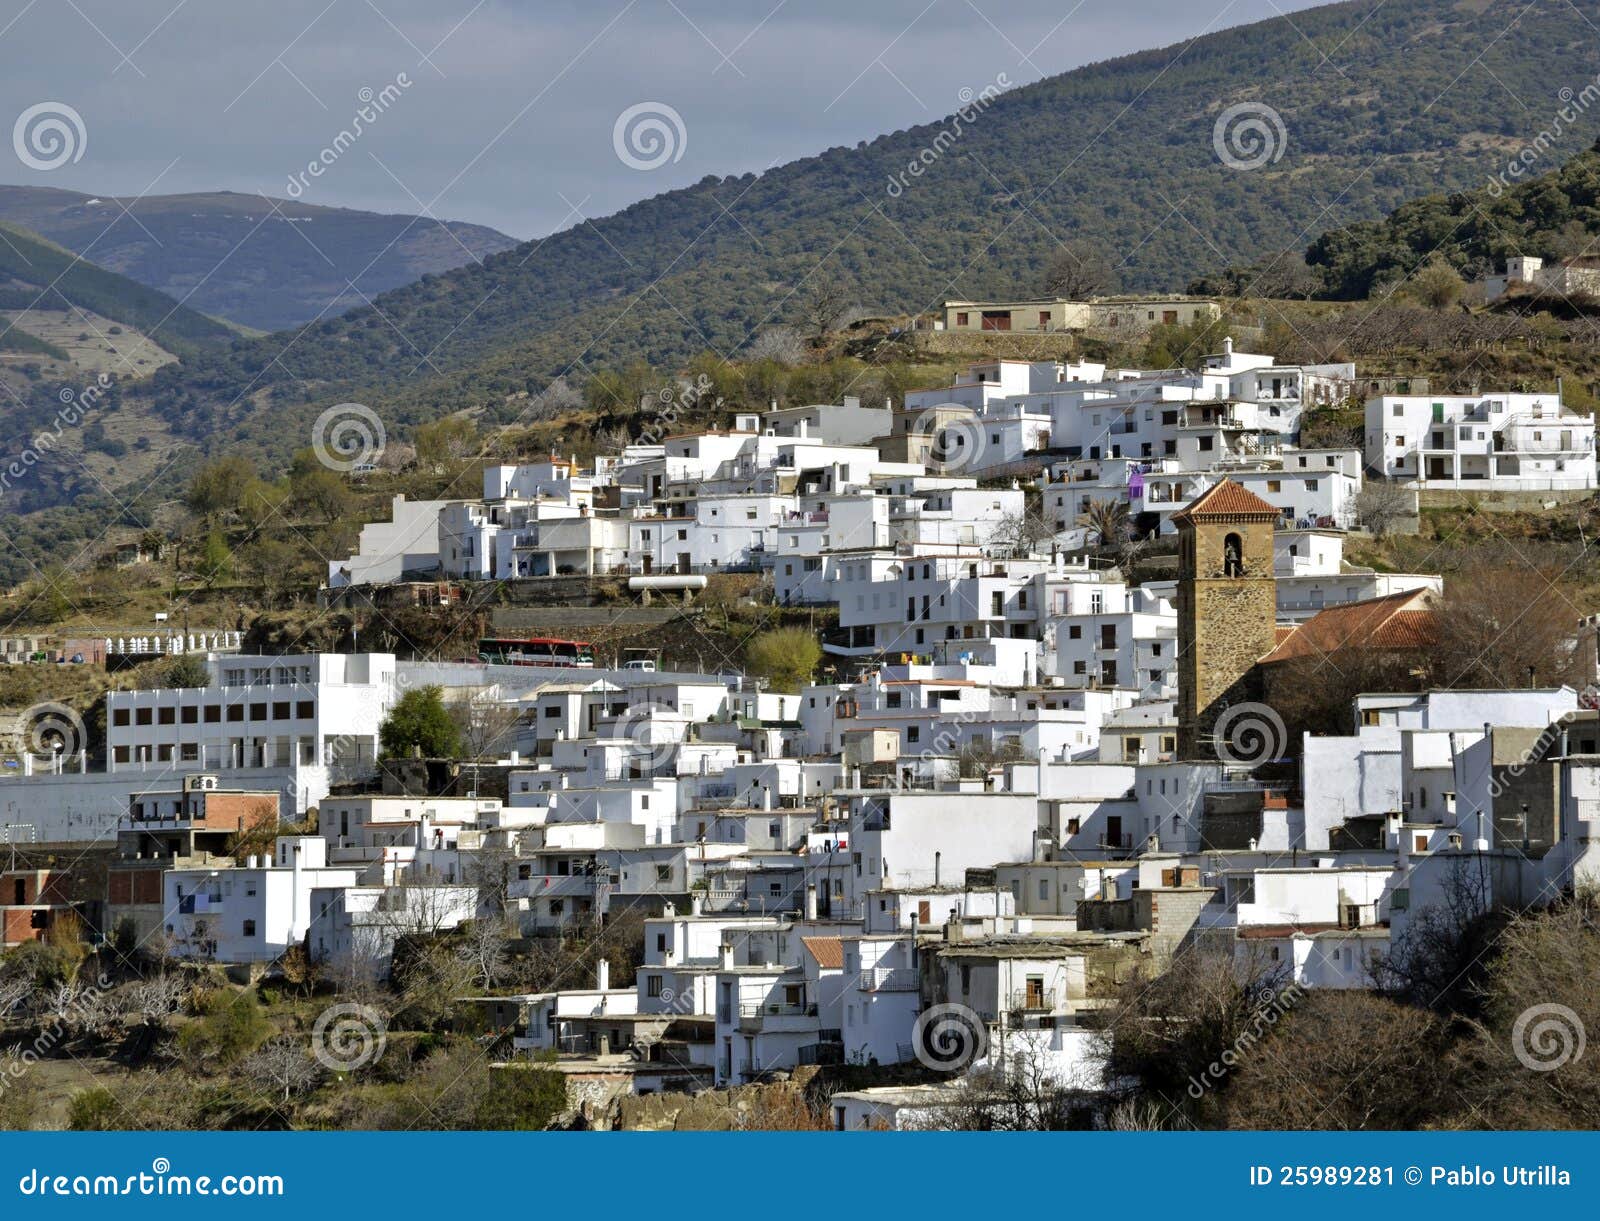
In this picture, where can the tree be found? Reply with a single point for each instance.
(1079, 268)
(451, 439)
(483, 947)
(315, 491)
(486, 726)
(1507, 622)
(282, 1067)
(217, 487)
(1343, 1060)
(1024, 531)
(786, 656)
(823, 304)
(275, 566)
(779, 343)
(1185, 1025)
(1437, 284)
(419, 723)
(215, 558)
(1380, 504)
(185, 670)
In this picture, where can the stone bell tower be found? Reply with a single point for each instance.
(1227, 606)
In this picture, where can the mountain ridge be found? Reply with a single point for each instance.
(173, 242)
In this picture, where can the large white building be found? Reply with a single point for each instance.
(1495, 442)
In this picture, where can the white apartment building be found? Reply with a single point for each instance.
(1495, 442)
(248, 913)
(316, 710)
(387, 551)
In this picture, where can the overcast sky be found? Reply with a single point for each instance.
(505, 112)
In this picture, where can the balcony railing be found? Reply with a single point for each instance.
(888, 979)
(1033, 1001)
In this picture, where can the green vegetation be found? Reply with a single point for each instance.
(1555, 215)
(786, 657)
(41, 275)
(273, 277)
(420, 722)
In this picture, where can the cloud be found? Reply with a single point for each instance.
(509, 113)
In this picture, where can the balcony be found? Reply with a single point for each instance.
(888, 979)
(775, 1016)
(1033, 1000)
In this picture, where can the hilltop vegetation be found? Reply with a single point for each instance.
(38, 274)
(288, 263)
(1121, 152)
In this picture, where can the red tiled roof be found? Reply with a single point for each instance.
(1399, 621)
(1228, 499)
(828, 951)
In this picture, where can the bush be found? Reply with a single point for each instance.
(230, 1027)
(420, 722)
(786, 657)
(92, 1110)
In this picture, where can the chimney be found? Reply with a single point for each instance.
(696, 904)
(726, 952)
(602, 975)
(811, 902)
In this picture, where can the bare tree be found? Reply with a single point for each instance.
(1024, 532)
(823, 305)
(779, 343)
(282, 1066)
(1507, 621)
(559, 398)
(1380, 504)
(1343, 1060)
(1079, 268)
(487, 726)
(484, 947)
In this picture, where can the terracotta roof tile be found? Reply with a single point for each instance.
(1228, 499)
(828, 951)
(1404, 620)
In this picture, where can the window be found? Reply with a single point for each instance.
(280, 710)
(189, 715)
(166, 716)
(141, 716)
(119, 716)
(663, 873)
(258, 712)
(213, 714)
(249, 928)
(652, 985)
(305, 709)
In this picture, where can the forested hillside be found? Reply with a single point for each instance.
(1380, 101)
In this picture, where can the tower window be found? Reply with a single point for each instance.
(1233, 556)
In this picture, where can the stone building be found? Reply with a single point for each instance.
(1227, 607)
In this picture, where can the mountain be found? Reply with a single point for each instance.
(1362, 105)
(41, 282)
(1554, 215)
(285, 263)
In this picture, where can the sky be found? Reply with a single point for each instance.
(526, 115)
